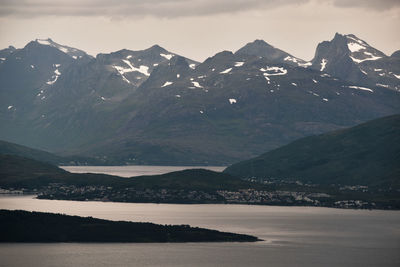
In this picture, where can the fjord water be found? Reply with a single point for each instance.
(294, 236)
(135, 170)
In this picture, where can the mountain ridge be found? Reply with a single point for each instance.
(156, 107)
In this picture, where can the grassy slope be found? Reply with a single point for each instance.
(366, 154)
(8, 148)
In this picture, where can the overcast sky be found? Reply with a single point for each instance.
(199, 28)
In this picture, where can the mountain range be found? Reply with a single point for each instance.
(157, 107)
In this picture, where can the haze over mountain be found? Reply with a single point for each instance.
(156, 107)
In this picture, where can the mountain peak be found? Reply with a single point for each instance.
(349, 45)
(72, 52)
(156, 47)
(47, 41)
(396, 54)
(260, 48)
(260, 42)
(349, 57)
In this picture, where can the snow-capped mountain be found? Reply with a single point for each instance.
(156, 107)
(26, 72)
(352, 59)
(72, 52)
(262, 49)
(231, 106)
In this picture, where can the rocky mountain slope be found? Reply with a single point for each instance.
(352, 59)
(156, 107)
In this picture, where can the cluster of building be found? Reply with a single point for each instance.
(164, 195)
(252, 196)
(354, 204)
(102, 193)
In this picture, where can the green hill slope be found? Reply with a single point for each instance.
(368, 154)
(8, 148)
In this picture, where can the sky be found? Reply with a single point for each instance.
(199, 29)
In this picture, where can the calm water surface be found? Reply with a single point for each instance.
(294, 236)
(130, 171)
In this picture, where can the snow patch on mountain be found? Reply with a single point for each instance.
(355, 47)
(360, 88)
(232, 101)
(289, 58)
(72, 52)
(304, 65)
(239, 64)
(226, 71)
(196, 84)
(142, 69)
(43, 41)
(323, 64)
(362, 60)
(167, 84)
(167, 56)
(382, 85)
(273, 71)
(57, 73)
(299, 62)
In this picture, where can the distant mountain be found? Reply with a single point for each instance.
(72, 52)
(65, 105)
(352, 59)
(367, 154)
(25, 75)
(262, 49)
(156, 107)
(7, 148)
(232, 107)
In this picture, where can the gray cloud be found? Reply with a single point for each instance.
(371, 4)
(164, 8)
